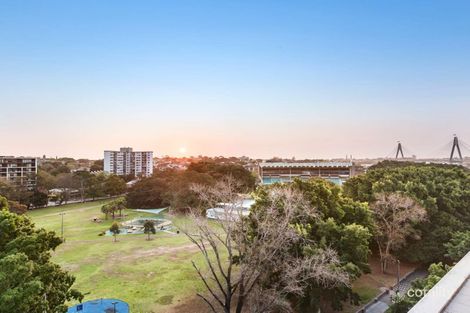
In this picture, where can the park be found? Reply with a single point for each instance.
(109, 251)
(152, 276)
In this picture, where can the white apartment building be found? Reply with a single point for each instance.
(128, 162)
(19, 170)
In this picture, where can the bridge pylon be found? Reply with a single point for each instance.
(456, 147)
(399, 151)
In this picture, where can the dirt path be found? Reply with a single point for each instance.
(158, 251)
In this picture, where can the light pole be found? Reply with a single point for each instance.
(398, 276)
(114, 307)
(62, 225)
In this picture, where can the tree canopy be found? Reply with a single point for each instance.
(29, 281)
(458, 246)
(444, 190)
(402, 304)
(149, 228)
(114, 229)
(251, 262)
(173, 188)
(339, 223)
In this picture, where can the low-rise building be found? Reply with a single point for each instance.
(230, 211)
(19, 170)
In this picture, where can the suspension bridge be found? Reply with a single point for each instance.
(456, 147)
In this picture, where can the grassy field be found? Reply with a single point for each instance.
(152, 276)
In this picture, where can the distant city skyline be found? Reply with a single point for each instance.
(310, 79)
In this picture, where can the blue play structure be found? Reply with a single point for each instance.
(100, 306)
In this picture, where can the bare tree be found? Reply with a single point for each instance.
(237, 259)
(395, 216)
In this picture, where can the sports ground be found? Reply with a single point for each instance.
(152, 276)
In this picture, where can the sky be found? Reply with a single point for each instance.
(310, 79)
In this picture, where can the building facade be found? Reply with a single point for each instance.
(336, 172)
(19, 170)
(451, 294)
(128, 162)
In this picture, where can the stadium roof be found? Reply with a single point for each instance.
(306, 164)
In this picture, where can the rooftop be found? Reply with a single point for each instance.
(451, 294)
(303, 165)
(16, 157)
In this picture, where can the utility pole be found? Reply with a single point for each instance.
(455, 145)
(62, 226)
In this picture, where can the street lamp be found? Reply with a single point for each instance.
(114, 307)
(398, 276)
(62, 226)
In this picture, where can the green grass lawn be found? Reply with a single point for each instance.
(150, 275)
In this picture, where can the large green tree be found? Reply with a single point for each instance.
(444, 190)
(148, 193)
(29, 281)
(97, 166)
(114, 185)
(338, 223)
(403, 303)
(218, 171)
(95, 186)
(458, 246)
(173, 188)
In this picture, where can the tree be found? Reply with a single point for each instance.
(95, 186)
(114, 229)
(45, 180)
(402, 304)
(246, 181)
(180, 195)
(29, 281)
(97, 166)
(3, 203)
(240, 261)
(116, 205)
(148, 193)
(458, 246)
(7, 189)
(12, 206)
(16, 207)
(39, 198)
(149, 228)
(340, 224)
(173, 188)
(16, 191)
(395, 216)
(443, 190)
(83, 179)
(105, 209)
(114, 185)
(66, 182)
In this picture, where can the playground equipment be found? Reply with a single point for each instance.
(100, 306)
